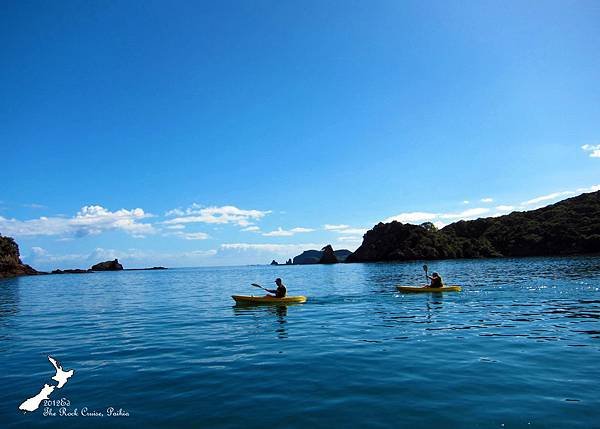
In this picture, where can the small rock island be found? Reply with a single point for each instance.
(328, 256)
(108, 266)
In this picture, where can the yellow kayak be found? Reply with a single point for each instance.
(244, 299)
(421, 289)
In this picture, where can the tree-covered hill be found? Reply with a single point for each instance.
(10, 262)
(568, 227)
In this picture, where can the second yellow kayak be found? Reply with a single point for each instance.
(244, 299)
(421, 289)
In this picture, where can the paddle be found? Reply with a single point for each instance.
(425, 268)
(255, 285)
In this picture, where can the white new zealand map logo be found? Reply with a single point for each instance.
(61, 377)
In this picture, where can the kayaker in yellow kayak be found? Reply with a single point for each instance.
(436, 280)
(281, 290)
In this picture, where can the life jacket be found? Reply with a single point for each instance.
(281, 291)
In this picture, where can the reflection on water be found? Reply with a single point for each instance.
(9, 306)
(258, 313)
(9, 298)
(435, 301)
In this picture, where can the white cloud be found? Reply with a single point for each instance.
(487, 200)
(280, 249)
(130, 258)
(263, 253)
(349, 242)
(548, 197)
(466, 214)
(348, 236)
(420, 217)
(48, 261)
(39, 251)
(351, 238)
(437, 218)
(279, 232)
(354, 231)
(300, 229)
(329, 227)
(592, 188)
(34, 206)
(215, 215)
(187, 235)
(594, 150)
(466, 202)
(175, 227)
(175, 212)
(90, 220)
(412, 217)
(559, 195)
(252, 228)
(96, 219)
(194, 235)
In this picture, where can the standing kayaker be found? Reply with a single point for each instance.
(436, 280)
(281, 290)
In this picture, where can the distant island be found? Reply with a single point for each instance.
(569, 227)
(146, 269)
(309, 257)
(12, 266)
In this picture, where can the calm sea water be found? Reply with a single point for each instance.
(518, 348)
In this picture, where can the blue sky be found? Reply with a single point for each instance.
(196, 133)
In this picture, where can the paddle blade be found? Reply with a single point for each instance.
(425, 268)
(255, 285)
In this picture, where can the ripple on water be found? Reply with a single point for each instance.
(517, 348)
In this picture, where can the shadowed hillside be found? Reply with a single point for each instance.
(10, 262)
(568, 227)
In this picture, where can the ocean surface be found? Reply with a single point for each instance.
(518, 348)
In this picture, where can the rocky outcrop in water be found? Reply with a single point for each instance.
(568, 227)
(314, 256)
(274, 262)
(10, 261)
(328, 256)
(71, 271)
(108, 266)
(146, 269)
